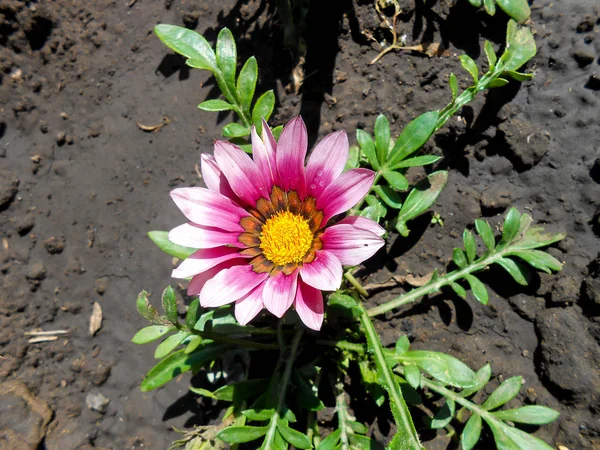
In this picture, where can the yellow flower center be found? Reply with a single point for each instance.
(286, 238)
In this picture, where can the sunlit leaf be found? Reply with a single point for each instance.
(226, 54)
(161, 239)
(510, 438)
(503, 393)
(412, 375)
(263, 108)
(513, 269)
(442, 367)
(189, 44)
(416, 161)
(483, 375)
(444, 415)
(292, 436)
(491, 54)
(453, 82)
(396, 180)
(511, 227)
(459, 290)
(246, 83)
(169, 304)
(235, 130)
(470, 66)
(413, 137)
(382, 138)
(485, 232)
(517, 9)
(367, 146)
(530, 414)
(389, 196)
(470, 246)
(191, 317)
(170, 344)
(471, 432)
(237, 435)
(539, 260)
(478, 289)
(498, 82)
(151, 333)
(330, 442)
(459, 258)
(520, 47)
(490, 7)
(402, 345)
(147, 311)
(215, 105)
(353, 158)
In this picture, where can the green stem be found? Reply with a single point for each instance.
(356, 284)
(342, 413)
(343, 345)
(238, 108)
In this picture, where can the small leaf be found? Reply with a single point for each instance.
(344, 303)
(359, 442)
(169, 304)
(263, 108)
(471, 432)
(413, 376)
(520, 47)
(370, 380)
(308, 394)
(413, 137)
(453, 82)
(331, 441)
(227, 57)
(235, 130)
(170, 344)
(193, 343)
(470, 66)
(367, 146)
(161, 239)
(204, 393)
(518, 75)
(475, 3)
(353, 158)
(511, 228)
(147, 311)
(237, 435)
(479, 290)
(509, 438)
(151, 333)
(396, 180)
(382, 138)
(513, 269)
(416, 161)
(530, 414)
(358, 427)
(442, 367)
(483, 376)
(498, 82)
(189, 44)
(402, 345)
(240, 391)
(539, 260)
(215, 105)
(375, 211)
(470, 246)
(491, 54)
(444, 416)
(459, 258)
(292, 436)
(246, 83)
(389, 196)
(517, 9)
(485, 232)
(503, 393)
(490, 7)
(191, 317)
(460, 291)
(259, 414)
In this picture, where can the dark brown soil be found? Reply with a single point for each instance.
(81, 184)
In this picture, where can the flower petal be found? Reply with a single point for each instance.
(351, 245)
(279, 293)
(291, 151)
(249, 306)
(264, 158)
(213, 177)
(241, 172)
(230, 285)
(345, 192)
(209, 208)
(324, 272)
(363, 223)
(198, 281)
(204, 259)
(326, 162)
(196, 236)
(309, 306)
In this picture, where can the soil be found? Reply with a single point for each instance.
(81, 184)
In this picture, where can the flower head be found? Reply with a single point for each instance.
(266, 228)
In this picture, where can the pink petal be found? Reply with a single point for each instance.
(209, 208)
(241, 172)
(214, 178)
(291, 151)
(363, 223)
(351, 245)
(204, 259)
(230, 285)
(249, 306)
(279, 293)
(309, 306)
(326, 162)
(264, 158)
(269, 139)
(345, 192)
(198, 281)
(196, 236)
(324, 272)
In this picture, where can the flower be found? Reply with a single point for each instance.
(266, 228)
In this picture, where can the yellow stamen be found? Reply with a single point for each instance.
(286, 238)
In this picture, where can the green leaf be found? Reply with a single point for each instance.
(193, 343)
(530, 414)
(246, 83)
(263, 108)
(475, 3)
(471, 432)
(292, 436)
(459, 258)
(353, 158)
(509, 438)
(147, 311)
(240, 391)
(491, 54)
(358, 427)
(170, 344)
(503, 393)
(367, 146)
(344, 303)
(259, 414)
(277, 132)
(520, 47)
(513, 269)
(396, 180)
(370, 381)
(227, 57)
(539, 260)
(237, 435)
(330, 442)
(411, 396)
(178, 363)
(191, 317)
(442, 367)
(479, 290)
(485, 232)
(376, 211)
(151, 333)
(518, 75)
(417, 161)
(444, 415)
(402, 345)
(512, 224)
(308, 394)
(358, 442)
(517, 9)
(215, 105)
(413, 137)
(483, 376)
(189, 44)
(498, 82)
(470, 66)
(412, 375)
(161, 239)
(382, 138)
(460, 291)
(470, 246)
(389, 196)
(204, 393)
(169, 304)
(421, 198)
(233, 130)
(453, 82)
(490, 7)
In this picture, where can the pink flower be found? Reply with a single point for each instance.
(266, 229)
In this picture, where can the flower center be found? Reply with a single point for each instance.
(286, 238)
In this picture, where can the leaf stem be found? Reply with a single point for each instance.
(356, 284)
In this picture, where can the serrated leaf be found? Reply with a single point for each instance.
(538, 259)
(478, 289)
(233, 130)
(485, 232)
(498, 82)
(453, 82)
(520, 47)
(459, 290)
(161, 239)
(237, 435)
(413, 137)
(396, 180)
(503, 393)
(490, 7)
(413, 376)
(367, 146)
(170, 344)
(513, 269)
(483, 376)
(444, 415)
(330, 442)
(442, 367)
(292, 436)
(530, 414)
(215, 105)
(459, 258)
(151, 333)
(389, 196)
(382, 138)
(469, 65)
(263, 108)
(491, 54)
(402, 345)
(416, 161)
(511, 227)
(517, 9)
(226, 54)
(471, 432)
(169, 304)
(246, 83)
(189, 44)
(509, 438)
(470, 246)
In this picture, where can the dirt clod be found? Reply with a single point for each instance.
(55, 244)
(9, 185)
(97, 402)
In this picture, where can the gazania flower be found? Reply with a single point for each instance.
(267, 229)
